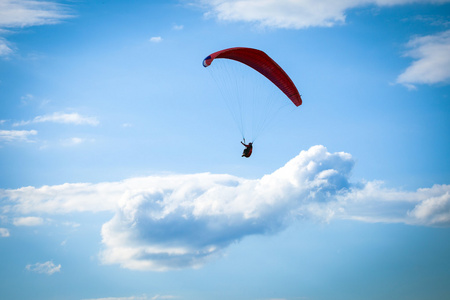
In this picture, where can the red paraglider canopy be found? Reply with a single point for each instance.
(262, 63)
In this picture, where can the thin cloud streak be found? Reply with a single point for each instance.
(63, 118)
(16, 135)
(28, 221)
(21, 13)
(48, 268)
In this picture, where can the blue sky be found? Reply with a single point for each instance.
(121, 170)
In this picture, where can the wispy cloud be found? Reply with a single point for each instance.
(431, 63)
(28, 221)
(5, 47)
(292, 14)
(64, 118)
(25, 13)
(74, 141)
(65, 198)
(180, 221)
(16, 135)
(47, 267)
(17, 14)
(26, 99)
(4, 232)
(156, 39)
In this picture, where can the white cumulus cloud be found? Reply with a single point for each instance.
(433, 211)
(47, 267)
(184, 221)
(372, 202)
(294, 14)
(431, 63)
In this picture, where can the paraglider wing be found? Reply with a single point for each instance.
(262, 63)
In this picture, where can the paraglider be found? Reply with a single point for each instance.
(248, 149)
(251, 113)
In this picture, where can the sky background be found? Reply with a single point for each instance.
(121, 171)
